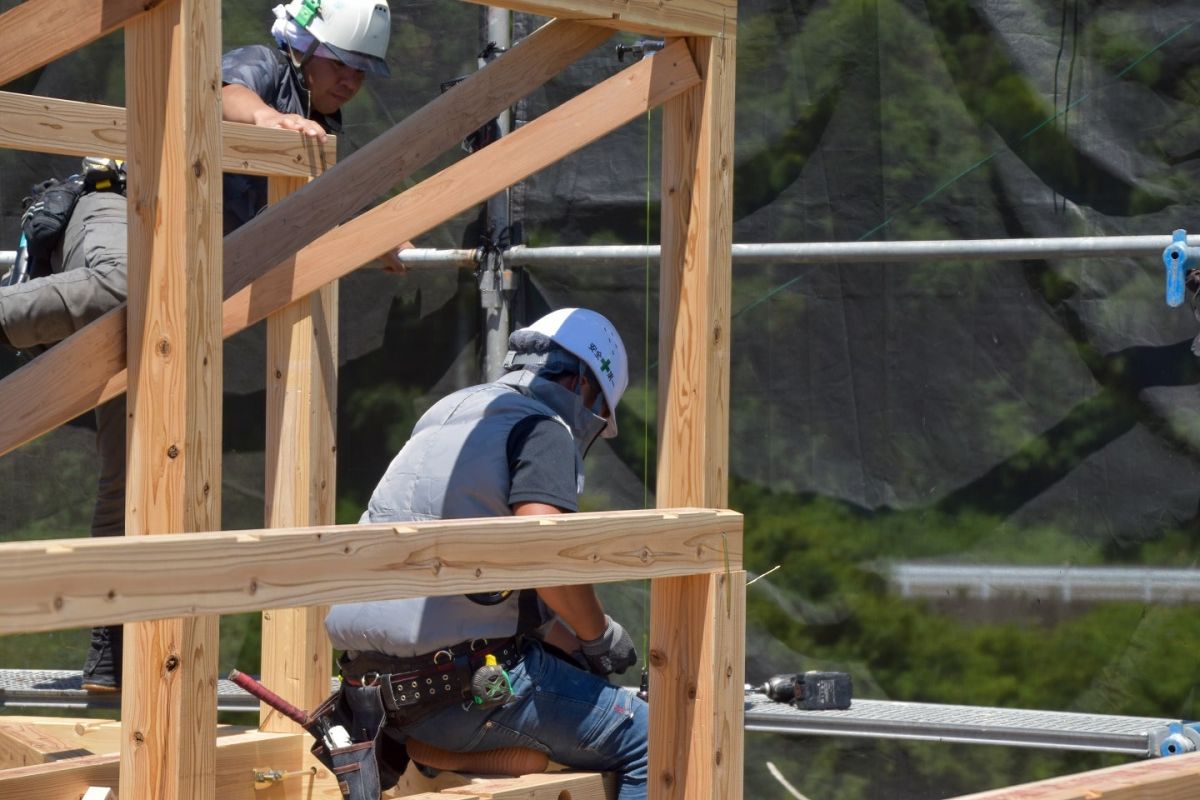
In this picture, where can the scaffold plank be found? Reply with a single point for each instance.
(889, 719)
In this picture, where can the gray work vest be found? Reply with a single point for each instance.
(454, 466)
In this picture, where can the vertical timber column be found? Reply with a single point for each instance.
(697, 630)
(172, 88)
(301, 452)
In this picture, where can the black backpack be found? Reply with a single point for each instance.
(48, 209)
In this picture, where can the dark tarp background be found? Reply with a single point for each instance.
(972, 412)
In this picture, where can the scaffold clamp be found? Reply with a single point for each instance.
(1176, 738)
(1179, 259)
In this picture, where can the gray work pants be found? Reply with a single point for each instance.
(46, 310)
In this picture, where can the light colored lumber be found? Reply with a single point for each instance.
(539, 143)
(543, 786)
(23, 743)
(676, 18)
(697, 668)
(35, 740)
(172, 86)
(696, 281)
(99, 793)
(67, 127)
(697, 623)
(87, 368)
(237, 757)
(1170, 778)
(73, 583)
(35, 32)
(276, 234)
(300, 462)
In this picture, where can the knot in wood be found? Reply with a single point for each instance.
(658, 658)
(197, 168)
(163, 347)
(668, 779)
(139, 737)
(253, 586)
(58, 602)
(172, 663)
(172, 452)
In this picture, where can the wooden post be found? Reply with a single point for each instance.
(172, 87)
(697, 632)
(301, 461)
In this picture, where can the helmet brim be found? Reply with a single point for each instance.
(359, 61)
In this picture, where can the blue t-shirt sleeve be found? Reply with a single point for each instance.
(541, 461)
(256, 67)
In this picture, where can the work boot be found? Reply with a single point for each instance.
(102, 669)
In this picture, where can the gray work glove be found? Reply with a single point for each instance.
(612, 651)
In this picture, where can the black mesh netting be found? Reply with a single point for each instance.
(964, 413)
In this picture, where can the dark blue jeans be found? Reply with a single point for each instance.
(582, 721)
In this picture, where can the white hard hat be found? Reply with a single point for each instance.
(593, 340)
(355, 31)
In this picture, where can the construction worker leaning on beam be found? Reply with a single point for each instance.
(480, 673)
(319, 65)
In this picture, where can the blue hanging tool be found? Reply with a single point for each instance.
(1179, 259)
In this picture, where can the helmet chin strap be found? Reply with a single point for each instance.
(306, 56)
(586, 425)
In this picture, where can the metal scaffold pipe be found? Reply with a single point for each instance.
(825, 252)
(811, 252)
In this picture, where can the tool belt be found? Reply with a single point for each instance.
(413, 687)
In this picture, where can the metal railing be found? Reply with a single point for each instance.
(1068, 584)
(824, 252)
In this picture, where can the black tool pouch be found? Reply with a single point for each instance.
(362, 770)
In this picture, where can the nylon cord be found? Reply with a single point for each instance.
(646, 391)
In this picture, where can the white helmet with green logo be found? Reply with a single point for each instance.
(356, 32)
(593, 340)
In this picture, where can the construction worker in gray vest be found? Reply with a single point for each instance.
(473, 673)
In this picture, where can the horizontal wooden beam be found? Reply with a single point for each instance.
(1170, 778)
(238, 756)
(573, 785)
(73, 583)
(35, 32)
(26, 740)
(67, 127)
(675, 18)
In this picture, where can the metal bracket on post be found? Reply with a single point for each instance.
(493, 278)
(1179, 258)
(497, 286)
